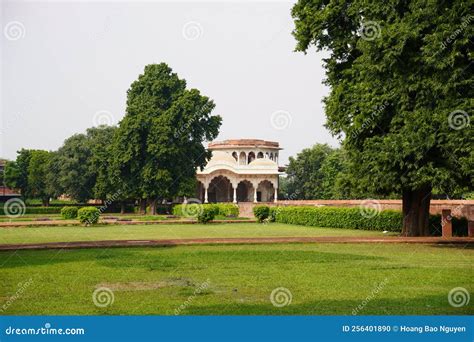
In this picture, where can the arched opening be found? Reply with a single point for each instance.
(271, 156)
(265, 191)
(266, 155)
(220, 190)
(276, 158)
(260, 155)
(243, 158)
(245, 191)
(236, 157)
(200, 191)
(251, 157)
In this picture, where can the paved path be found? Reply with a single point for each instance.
(54, 223)
(220, 241)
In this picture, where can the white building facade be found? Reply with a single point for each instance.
(241, 170)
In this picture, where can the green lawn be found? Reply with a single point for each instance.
(238, 279)
(172, 231)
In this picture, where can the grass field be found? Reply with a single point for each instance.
(238, 279)
(174, 231)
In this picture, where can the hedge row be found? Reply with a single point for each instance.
(351, 218)
(36, 210)
(219, 209)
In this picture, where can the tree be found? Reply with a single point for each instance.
(38, 169)
(159, 143)
(401, 83)
(16, 172)
(72, 165)
(305, 178)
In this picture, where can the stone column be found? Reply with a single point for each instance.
(234, 198)
(254, 194)
(205, 195)
(446, 224)
(276, 195)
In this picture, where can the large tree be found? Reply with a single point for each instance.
(16, 172)
(305, 179)
(38, 169)
(159, 143)
(402, 89)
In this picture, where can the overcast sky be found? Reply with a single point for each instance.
(67, 67)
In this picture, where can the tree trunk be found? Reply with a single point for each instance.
(45, 202)
(153, 204)
(143, 203)
(122, 207)
(416, 212)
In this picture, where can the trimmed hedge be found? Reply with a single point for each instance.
(36, 210)
(88, 215)
(219, 209)
(69, 212)
(261, 212)
(206, 215)
(351, 218)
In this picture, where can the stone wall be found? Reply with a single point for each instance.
(458, 207)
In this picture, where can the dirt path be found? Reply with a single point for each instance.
(220, 241)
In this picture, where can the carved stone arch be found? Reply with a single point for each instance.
(260, 155)
(251, 157)
(242, 158)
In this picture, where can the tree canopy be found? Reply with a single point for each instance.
(402, 91)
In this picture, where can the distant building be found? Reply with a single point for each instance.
(241, 170)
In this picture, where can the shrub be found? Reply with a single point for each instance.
(223, 209)
(351, 218)
(206, 215)
(69, 213)
(88, 215)
(261, 212)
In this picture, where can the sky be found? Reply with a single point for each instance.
(66, 66)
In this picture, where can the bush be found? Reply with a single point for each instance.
(206, 215)
(69, 213)
(222, 209)
(261, 212)
(351, 218)
(88, 215)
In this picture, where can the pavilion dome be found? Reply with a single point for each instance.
(220, 157)
(263, 162)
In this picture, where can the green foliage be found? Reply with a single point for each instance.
(219, 209)
(261, 212)
(400, 74)
(352, 218)
(38, 169)
(206, 215)
(88, 215)
(16, 172)
(69, 212)
(36, 210)
(161, 136)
